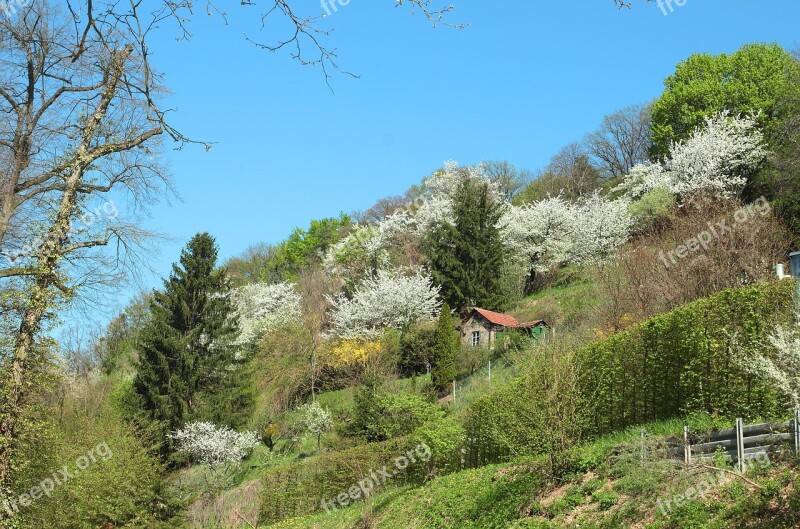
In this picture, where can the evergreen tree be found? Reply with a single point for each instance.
(186, 360)
(466, 256)
(445, 351)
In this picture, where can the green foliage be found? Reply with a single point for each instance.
(652, 210)
(444, 437)
(750, 80)
(417, 350)
(120, 487)
(379, 416)
(680, 362)
(467, 257)
(672, 365)
(445, 350)
(185, 353)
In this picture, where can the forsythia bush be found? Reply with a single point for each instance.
(346, 353)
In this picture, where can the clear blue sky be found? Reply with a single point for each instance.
(524, 79)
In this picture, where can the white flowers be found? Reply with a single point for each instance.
(388, 300)
(783, 366)
(553, 232)
(714, 159)
(209, 445)
(316, 420)
(262, 308)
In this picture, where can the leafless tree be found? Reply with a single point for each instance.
(510, 179)
(622, 141)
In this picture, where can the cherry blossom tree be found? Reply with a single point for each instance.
(781, 365)
(390, 300)
(553, 232)
(214, 446)
(316, 420)
(263, 307)
(716, 159)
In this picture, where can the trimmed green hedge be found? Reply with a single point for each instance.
(675, 364)
(681, 363)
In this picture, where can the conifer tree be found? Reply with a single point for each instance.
(185, 350)
(466, 256)
(445, 351)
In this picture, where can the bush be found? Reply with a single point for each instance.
(382, 416)
(417, 350)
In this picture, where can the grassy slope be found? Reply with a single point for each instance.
(609, 488)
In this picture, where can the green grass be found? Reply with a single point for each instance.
(609, 488)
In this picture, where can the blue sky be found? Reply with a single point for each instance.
(523, 80)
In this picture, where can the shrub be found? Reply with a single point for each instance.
(381, 416)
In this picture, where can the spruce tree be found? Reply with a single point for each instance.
(445, 351)
(185, 349)
(466, 256)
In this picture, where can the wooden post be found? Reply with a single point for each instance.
(796, 431)
(490, 371)
(454, 392)
(687, 448)
(643, 434)
(740, 444)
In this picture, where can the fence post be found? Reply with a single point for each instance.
(687, 448)
(740, 444)
(796, 430)
(643, 435)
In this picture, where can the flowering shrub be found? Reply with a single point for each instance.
(781, 366)
(316, 420)
(714, 159)
(553, 231)
(210, 445)
(344, 353)
(263, 307)
(390, 300)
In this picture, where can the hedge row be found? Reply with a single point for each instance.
(672, 365)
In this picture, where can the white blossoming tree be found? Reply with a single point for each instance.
(316, 420)
(389, 300)
(439, 191)
(263, 307)
(553, 232)
(715, 159)
(540, 234)
(367, 249)
(781, 365)
(214, 446)
(601, 227)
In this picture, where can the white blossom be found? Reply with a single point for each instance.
(263, 307)
(601, 227)
(714, 159)
(541, 233)
(781, 365)
(388, 300)
(316, 420)
(440, 190)
(210, 445)
(552, 232)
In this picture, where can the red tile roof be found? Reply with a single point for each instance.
(506, 320)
